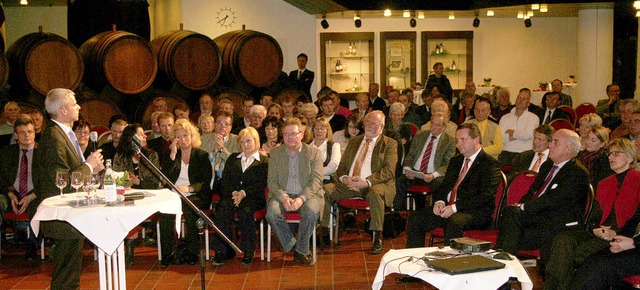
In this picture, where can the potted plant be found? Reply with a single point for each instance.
(487, 81)
(543, 85)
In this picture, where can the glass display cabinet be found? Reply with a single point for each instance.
(454, 49)
(347, 62)
(398, 59)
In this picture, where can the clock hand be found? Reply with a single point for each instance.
(223, 19)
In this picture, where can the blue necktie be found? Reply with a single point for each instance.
(74, 140)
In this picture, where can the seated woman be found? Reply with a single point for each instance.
(190, 170)
(205, 124)
(272, 131)
(587, 122)
(354, 128)
(616, 201)
(275, 110)
(241, 191)
(323, 140)
(594, 156)
(395, 124)
(140, 173)
(82, 129)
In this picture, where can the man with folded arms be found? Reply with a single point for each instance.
(517, 128)
(367, 170)
(554, 203)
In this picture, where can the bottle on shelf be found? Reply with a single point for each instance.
(339, 67)
(441, 47)
(437, 49)
(355, 84)
(110, 194)
(454, 66)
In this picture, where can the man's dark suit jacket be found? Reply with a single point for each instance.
(55, 153)
(424, 113)
(253, 181)
(10, 157)
(378, 104)
(557, 114)
(521, 162)
(337, 122)
(477, 191)
(238, 125)
(155, 144)
(562, 203)
(446, 148)
(304, 83)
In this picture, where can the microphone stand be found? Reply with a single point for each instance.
(203, 217)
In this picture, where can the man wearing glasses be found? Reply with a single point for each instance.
(367, 170)
(221, 143)
(295, 185)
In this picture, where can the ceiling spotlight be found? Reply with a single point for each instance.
(451, 16)
(520, 14)
(413, 22)
(420, 15)
(527, 23)
(543, 8)
(476, 22)
(406, 14)
(535, 6)
(638, 14)
(24, 2)
(358, 21)
(529, 13)
(490, 13)
(636, 4)
(324, 22)
(387, 12)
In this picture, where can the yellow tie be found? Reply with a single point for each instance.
(363, 153)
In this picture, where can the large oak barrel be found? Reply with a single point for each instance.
(98, 111)
(250, 56)
(44, 61)
(121, 59)
(191, 59)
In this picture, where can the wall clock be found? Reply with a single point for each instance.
(226, 17)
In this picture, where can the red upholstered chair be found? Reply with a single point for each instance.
(416, 191)
(583, 109)
(634, 281)
(356, 203)
(571, 112)
(292, 218)
(487, 235)
(12, 218)
(558, 124)
(413, 127)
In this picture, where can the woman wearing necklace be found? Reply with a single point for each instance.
(273, 134)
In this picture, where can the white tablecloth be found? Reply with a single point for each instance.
(106, 226)
(396, 261)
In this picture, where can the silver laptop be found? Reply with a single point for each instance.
(463, 265)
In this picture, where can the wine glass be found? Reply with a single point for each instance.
(95, 184)
(61, 181)
(76, 181)
(86, 186)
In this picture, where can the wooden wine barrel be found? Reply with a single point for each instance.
(44, 61)
(98, 111)
(191, 59)
(121, 59)
(236, 98)
(145, 110)
(250, 56)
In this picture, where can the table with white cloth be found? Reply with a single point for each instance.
(106, 226)
(397, 261)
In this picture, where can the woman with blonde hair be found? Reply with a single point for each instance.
(585, 123)
(594, 156)
(323, 140)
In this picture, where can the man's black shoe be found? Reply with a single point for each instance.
(248, 258)
(220, 258)
(305, 260)
(166, 261)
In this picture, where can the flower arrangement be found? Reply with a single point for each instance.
(122, 178)
(487, 81)
(543, 85)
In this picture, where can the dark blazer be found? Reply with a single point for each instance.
(10, 157)
(200, 172)
(378, 104)
(304, 83)
(521, 162)
(562, 203)
(357, 111)
(383, 164)
(477, 191)
(238, 125)
(424, 113)
(337, 122)
(557, 114)
(446, 148)
(253, 181)
(599, 168)
(55, 153)
(155, 144)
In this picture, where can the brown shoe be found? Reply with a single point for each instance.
(305, 260)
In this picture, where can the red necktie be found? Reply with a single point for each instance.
(424, 164)
(546, 182)
(24, 174)
(454, 191)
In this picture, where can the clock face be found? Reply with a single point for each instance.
(226, 17)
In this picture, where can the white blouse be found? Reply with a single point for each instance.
(336, 155)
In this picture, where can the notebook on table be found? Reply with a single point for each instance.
(463, 265)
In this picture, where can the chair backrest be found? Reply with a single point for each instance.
(570, 111)
(558, 124)
(583, 109)
(413, 127)
(520, 186)
(589, 206)
(500, 199)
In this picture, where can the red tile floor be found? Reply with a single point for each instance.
(346, 266)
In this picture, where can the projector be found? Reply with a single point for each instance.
(470, 245)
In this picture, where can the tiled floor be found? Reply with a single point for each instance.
(347, 266)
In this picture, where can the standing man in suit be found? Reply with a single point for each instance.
(533, 159)
(16, 180)
(550, 113)
(375, 102)
(554, 203)
(59, 151)
(302, 78)
(439, 79)
(367, 170)
(429, 153)
(294, 180)
(466, 199)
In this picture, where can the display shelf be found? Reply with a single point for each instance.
(456, 55)
(347, 62)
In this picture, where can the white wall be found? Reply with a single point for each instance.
(24, 20)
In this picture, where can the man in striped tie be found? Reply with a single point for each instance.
(429, 155)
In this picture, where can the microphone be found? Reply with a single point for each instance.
(137, 143)
(94, 138)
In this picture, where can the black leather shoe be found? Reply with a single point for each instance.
(305, 260)
(192, 259)
(325, 240)
(32, 252)
(129, 247)
(222, 258)
(248, 258)
(166, 261)
(377, 243)
(408, 279)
